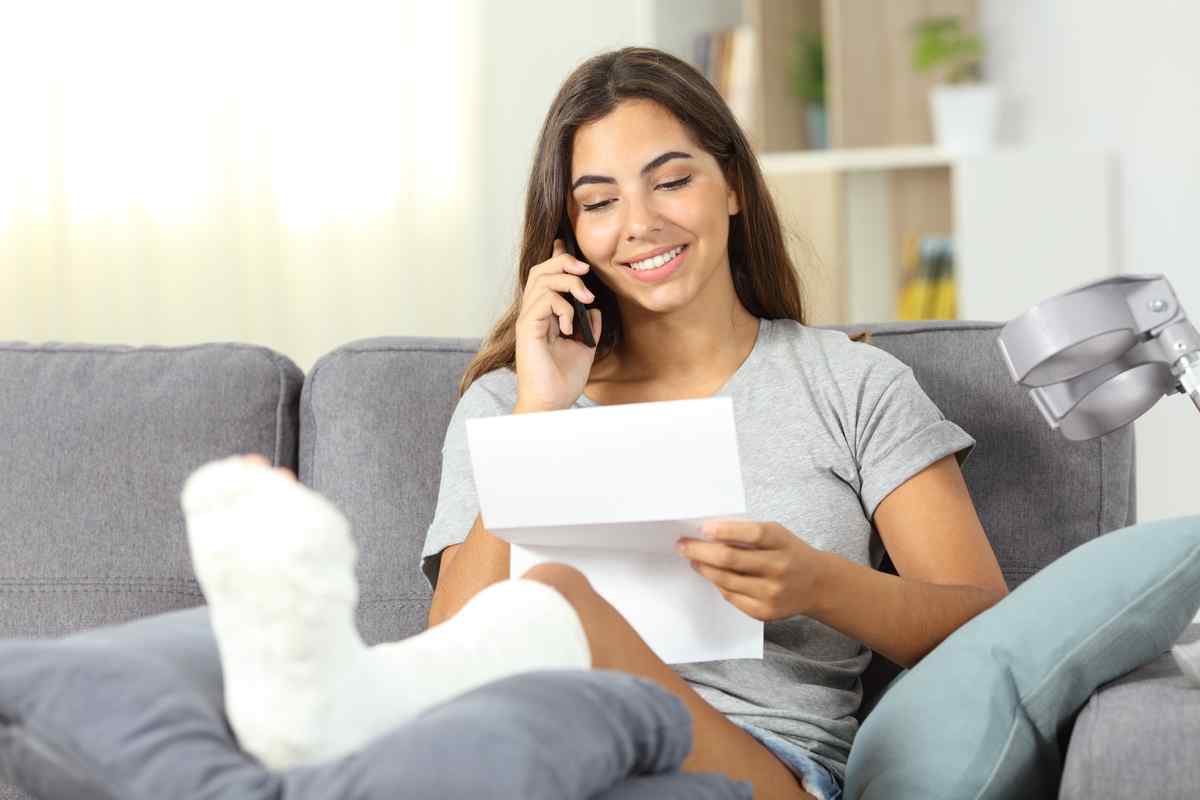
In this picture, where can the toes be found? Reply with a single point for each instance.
(287, 473)
(258, 458)
(218, 483)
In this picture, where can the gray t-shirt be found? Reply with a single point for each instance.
(826, 429)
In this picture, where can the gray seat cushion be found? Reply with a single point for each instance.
(1137, 736)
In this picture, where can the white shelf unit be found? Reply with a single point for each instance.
(857, 159)
(1026, 222)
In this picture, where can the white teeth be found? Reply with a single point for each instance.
(657, 261)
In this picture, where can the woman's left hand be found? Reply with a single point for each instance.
(761, 567)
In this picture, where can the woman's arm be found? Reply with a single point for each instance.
(947, 572)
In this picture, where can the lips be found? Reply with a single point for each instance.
(651, 254)
(661, 273)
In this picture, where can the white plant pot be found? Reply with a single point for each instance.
(964, 117)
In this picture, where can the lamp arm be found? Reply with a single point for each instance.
(1187, 370)
(1180, 344)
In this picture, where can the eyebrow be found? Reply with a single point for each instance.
(655, 164)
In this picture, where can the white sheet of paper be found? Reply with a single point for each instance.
(608, 490)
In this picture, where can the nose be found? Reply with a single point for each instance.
(642, 218)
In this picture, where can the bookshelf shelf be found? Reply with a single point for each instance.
(1026, 223)
(851, 159)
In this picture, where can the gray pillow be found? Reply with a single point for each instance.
(137, 711)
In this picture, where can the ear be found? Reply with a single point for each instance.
(731, 202)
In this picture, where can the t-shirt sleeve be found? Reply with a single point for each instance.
(899, 434)
(457, 503)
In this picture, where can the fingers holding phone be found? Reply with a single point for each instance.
(582, 317)
(552, 367)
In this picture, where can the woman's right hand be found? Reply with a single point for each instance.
(552, 368)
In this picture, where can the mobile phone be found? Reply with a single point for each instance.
(580, 323)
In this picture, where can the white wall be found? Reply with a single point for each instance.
(1124, 76)
(241, 190)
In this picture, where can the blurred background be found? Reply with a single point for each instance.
(303, 175)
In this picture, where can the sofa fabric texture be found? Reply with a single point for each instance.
(95, 442)
(1137, 736)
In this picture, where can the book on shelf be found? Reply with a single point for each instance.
(728, 58)
(927, 285)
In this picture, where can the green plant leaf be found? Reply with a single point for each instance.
(940, 43)
(808, 67)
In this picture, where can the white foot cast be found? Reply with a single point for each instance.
(275, 561)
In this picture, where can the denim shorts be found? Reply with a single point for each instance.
(814, 778)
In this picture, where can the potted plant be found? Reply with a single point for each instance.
(808, 83)
(963, 105)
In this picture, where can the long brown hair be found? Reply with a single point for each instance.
(763, 274)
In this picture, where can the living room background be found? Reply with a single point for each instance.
(164, 172)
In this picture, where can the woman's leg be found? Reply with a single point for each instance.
(717, 744)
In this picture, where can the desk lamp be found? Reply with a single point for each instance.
(1099, 356)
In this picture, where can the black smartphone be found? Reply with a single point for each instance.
(580, 323)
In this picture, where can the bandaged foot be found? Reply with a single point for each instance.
(276, 564)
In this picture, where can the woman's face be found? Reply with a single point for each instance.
(641, 186)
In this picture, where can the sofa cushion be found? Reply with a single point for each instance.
(137, 711)
(373, 416)
(95, 443)
(1139, 732)
(988, 713)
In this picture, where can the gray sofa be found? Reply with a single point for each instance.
(96, 441)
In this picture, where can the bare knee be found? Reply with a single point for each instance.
(568, 581)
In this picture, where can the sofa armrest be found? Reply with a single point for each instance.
(1137, 735)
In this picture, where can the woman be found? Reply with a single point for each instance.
(681, 258)
(692, 294)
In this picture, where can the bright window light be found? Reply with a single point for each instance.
(183, 111)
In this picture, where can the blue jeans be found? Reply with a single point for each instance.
(814, 778)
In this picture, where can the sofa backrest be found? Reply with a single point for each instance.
(95, 443)
(374, 414)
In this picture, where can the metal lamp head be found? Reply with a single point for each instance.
(1098, 357)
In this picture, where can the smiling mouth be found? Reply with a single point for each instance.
(650, 264)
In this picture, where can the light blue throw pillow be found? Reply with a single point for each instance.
(988, 713)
